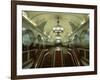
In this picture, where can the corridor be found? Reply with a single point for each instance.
(54, 39)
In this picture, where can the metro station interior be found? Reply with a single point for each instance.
(54, 39)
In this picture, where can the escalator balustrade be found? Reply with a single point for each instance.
(51, 57)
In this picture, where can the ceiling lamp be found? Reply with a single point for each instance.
(58, 29)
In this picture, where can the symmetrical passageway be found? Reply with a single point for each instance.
(55, 39)
(57, 56)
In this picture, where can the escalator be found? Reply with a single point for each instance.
(51, 57)
(59, 58)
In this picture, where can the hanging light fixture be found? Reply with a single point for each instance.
(58, 29)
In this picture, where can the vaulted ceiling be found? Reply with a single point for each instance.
(45, 21)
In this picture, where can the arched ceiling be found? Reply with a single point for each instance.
(45, 21)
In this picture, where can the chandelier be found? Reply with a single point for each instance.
(58, 29)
